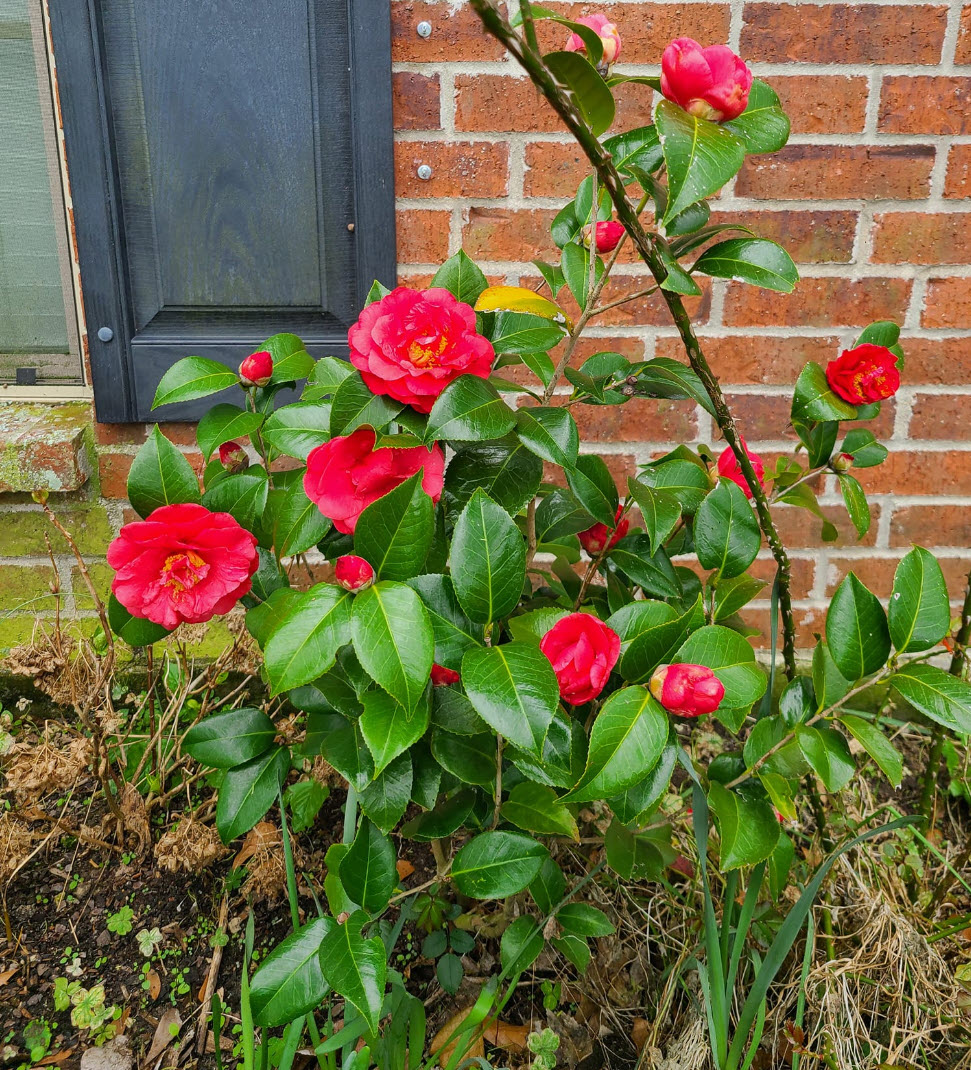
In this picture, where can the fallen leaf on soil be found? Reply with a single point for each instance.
(154, 984)
(56, 1058)
(508, 1036)
(261, 836)
(639, 1032)
(163, 1033)
(404, 868)
(7, 974)
(443, 1046)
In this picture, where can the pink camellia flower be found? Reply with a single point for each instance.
(257, 369)
(353, 573)
(729, 468)
(582, 651)
(687, 690)
(442, 677)
(594, 538)
(232, 456)
(712, 83)
(865, 374)
(604, 29)
(609, 233)
(412, 343)
(346, 474)
(183, 564)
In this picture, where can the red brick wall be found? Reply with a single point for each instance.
(870, 197)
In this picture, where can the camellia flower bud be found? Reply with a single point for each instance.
(442, 677)
(609, 233)
(595, 538)
(604, 29)
(711, 83)
(353, 573)
(842, 463)
(864, 374)
(687, 690)
(257, 369)
(232, 456)
(729, 468)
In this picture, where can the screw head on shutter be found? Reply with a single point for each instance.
(105, 334)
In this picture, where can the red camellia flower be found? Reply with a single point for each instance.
(411, 344)
(729, 468)
(256, 369)
(182, 564)
(346, 474)
(353, 573)
(604, 29)
(609, 233)
(582, 651)
(865, 374)
(687, 690)
(594, 538)
(712, 83)
(442, 677)
(232, 456)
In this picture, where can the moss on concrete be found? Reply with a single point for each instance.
(23, 532)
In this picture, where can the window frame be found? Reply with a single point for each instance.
(121, 387)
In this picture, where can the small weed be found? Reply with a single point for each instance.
(122, 921)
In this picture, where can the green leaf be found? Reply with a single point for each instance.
(395, 532)
(634, 805)
(863, 447)
(663, 377)
(521, 945)
(687, 481)
(854, 497)
(829, 683)
(768, 732)
(594, 488)
(749, 828)
(856, 630)
(224, 423)
(592, 93)
(298, 524)
(446, 818)
(454, 632)
(367, 871)
(876, 744)
(660, 511)
(576, 270)
(386, 798)
(560, 515)
(356, 968)
(497, 864)
(328, 373)
(393, 639)
(264, 619)
(626, 742)
(160, 475)
(813, 399)
(653, 572)
(752, 260)
(882, 333)
(514, 690)
(550, 433)
(472, 759)
(462, 277)
(488, 560)
(135, 631)
(193, 377)
(827, 752)
(640, 148)
(732, 594)
(731, 659)
(508, 472)
(469, 409)
(248, 791)
(649, 630)
(537, 808)
(938, 695)
(521, 332)
(297, 429)
(305, 646)
(229, 738)
(701, 156)
(763, 126)
(290, 982)
(919, 615)
(676, 279)
(304, 800)
(727, 535)
(355, 406)
(341, 744)
(291, 361)
(243, 495)
(388, 728)
(581, 919)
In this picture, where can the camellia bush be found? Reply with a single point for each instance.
(509, 636)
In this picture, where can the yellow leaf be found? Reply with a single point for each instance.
(519, 299)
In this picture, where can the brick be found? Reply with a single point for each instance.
(639, 420)
(646, 28)
(922, 238)
(416, 101)
(620, 465)
(947, 303)
(422, 236)
(958, 181)
(820, 302)
(913, 471)
(809, 624)
(26, 589)
(962, 53)
(875, 573)
(838, 172)
(939, 525)
(823, 104)
(509, 234)
(937, 360)
(554, 170)
(944, 416)
(843, 33)
(803, 576)
(642, 311)
(44, 447)
(763, 416)
(926, 104)
(24, 531)
(101, 576)
(457, 34)
(182, 434)
(499, 102)
(120, 434)
(744, 359)
(810, 237)
(459, 169)
(113, 469)
(800, 528)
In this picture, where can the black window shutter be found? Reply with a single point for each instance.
(231, 171)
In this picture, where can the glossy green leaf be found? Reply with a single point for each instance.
(576, 270)
(749, 829)
(354, 406)
(650, 630)
(299, 524)
(355, 967)
(243, 495)
(340, 743)
(663, 377)
(876, 744)
(193, 377)
(306, 644)
(641, 799)
(386, 798)
(537, 808)
(640, 148)
(297, 429)
(732, 594)
(731, 659)
(943, 698)
(919, 615)
(660, 511)
(763, 126)
(513, 689)
(590, 90)
(367, 871)
(863, 447)
(388, 728)
(462, 277)
(454, 632)
(582, 919)
(687, 481)
(304, 800)
(550, 433)
(521, 332)
(395, 532)
(488, 560)
(248, 791)
(160, 475)
(829, 684)
(469, 409)
(508, 472)
(328, 373)
(291, 361)
(230, 737)
(446, 818)
(856, 630)
(521, 944)
(225, 423)
(752, 260)
(497, 864)
(727, 534)
(828, 754)
(814, 400)
(472, 759)
(652, 572)
(854, 497)
(290, 982)
(594, 488)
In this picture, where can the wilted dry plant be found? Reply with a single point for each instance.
(190, 847)
(15, 843)
(53, 763)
